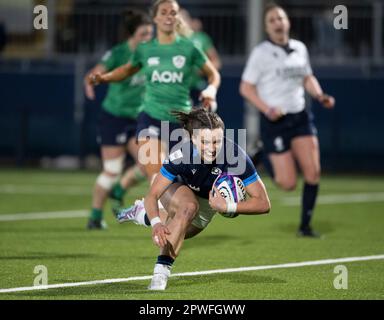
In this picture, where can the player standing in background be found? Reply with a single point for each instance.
(275, 78)
(168, 62)
(190, 205)
(120, 108)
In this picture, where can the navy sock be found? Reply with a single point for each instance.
(308, 203)
(167, 260)
(146, 220)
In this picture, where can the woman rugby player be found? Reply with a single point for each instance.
(190, 204)
(120, 108)
(168, 62)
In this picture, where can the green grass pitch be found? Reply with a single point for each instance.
(350, 214)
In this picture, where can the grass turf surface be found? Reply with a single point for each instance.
(73, 254)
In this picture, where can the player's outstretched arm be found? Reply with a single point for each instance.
(159, 231)
(314, 89)
(115, 75)
(88, 87)
(208, 95)
(257, 201)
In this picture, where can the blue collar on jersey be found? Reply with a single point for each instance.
(285, 47)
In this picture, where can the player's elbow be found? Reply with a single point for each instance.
(261, 206)
(265, 206)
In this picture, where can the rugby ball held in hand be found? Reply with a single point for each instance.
(232, 189)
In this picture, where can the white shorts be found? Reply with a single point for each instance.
(204, 215)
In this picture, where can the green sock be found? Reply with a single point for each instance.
(96, 214)
(118, 191)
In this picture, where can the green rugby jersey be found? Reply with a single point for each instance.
(202, 41)
(169, 69)
(123, 98)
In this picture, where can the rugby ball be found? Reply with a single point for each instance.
(232, 189)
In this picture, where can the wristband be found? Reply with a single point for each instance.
(231, 207)
(209, 92)
(155, 221)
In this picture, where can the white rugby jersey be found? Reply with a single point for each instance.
(278, 74)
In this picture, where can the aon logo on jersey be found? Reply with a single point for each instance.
(167, 77)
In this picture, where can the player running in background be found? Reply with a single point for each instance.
(276, 76)
(168, 62)
(198, 82)
(120, 108)
(191, 204)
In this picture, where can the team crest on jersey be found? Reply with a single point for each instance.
(216, 171)
(179, 61)
(153, 61)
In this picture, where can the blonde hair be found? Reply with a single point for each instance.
(182, 28)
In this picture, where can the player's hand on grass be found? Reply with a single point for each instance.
(159, 234)
(274, 114)
(326, 100)
(216, 201)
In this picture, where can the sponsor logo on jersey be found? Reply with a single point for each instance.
(197, 189)
(216, 171)
(167, 77)
(137, 80)
(153, 61)
(179, 61)
(193, 171)
(175, 155)
(291, 72)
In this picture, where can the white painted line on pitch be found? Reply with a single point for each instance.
(44, 215)
(339, 198)
(198, 273)
(45, 190)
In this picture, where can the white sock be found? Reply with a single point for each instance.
(162, 268)
(140, 218)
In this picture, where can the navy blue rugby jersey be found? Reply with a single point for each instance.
(186, 165)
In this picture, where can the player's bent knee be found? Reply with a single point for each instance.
(114, 166)
(312, 178)
(106, 181)
(287, 185)
(187, 211)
